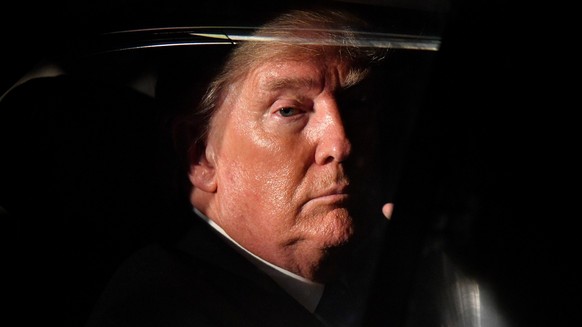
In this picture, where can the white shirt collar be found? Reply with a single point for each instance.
(305, 291)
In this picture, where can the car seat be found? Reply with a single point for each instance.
(84, 174)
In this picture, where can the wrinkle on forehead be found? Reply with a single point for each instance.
(296, 83)
(294, 75)
(328, 71)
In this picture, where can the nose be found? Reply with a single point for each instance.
(333, 144)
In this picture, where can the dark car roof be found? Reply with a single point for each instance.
(69, 28)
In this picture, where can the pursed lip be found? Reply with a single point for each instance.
(338, 193)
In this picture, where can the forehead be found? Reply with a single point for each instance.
(304, 72)
(285, 74)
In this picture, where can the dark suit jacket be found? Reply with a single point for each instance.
(199, 281)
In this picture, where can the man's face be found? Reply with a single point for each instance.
(277, 148)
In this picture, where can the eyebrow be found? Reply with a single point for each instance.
(353, 78)
(291, 83)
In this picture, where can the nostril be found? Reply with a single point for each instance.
(327, 160)
(337, 150)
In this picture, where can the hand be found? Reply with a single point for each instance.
(387, 210)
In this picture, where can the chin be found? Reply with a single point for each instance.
(339, 228)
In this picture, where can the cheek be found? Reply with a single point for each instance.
(256, 197)
(274, 179)
(265, 177)
(262, 170)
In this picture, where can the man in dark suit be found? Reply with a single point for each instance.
(280, 159)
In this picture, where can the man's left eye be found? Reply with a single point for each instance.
(288, 111)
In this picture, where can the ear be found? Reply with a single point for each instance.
(202, 172)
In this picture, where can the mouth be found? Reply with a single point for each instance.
(339, 198)
(335, 195)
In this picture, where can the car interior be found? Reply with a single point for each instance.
(88, 174)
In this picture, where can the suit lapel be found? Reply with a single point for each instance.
(245, 285)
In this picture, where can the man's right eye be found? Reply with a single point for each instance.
(288, 111)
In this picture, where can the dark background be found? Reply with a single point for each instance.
(491, 164)
(32, 31)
